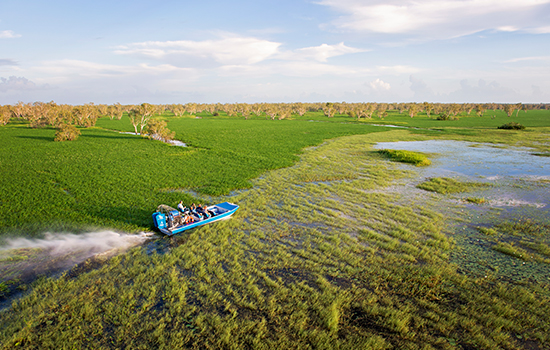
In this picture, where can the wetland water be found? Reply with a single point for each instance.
(519, 192)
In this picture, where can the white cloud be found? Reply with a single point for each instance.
(436, 19)
(8, 34)
(323, 52)
(379, 85)
(225, 51)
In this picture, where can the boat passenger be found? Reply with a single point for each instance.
(202, 212)
(181, 207)
(195, 210)
(207, 212)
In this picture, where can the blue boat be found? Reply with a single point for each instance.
(171, 221)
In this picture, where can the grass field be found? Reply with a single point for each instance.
(325, 251)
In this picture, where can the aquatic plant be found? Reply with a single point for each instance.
(476, 200)
(446, 185)
(416, 158)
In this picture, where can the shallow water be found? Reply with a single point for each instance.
(474, 159)
(521, 189)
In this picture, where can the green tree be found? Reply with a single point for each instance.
(158, 131)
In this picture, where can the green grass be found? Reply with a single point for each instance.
(108, 179)
(445, 185)
(410, 157)
(321, 254)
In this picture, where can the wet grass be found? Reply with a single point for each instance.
(410, 157)
(445, 185)
(476, 200)
(325, 252)
(334, 259)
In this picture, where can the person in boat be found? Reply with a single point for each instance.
(202, 212)
(210, 213)
(181, 207)
(195, 210)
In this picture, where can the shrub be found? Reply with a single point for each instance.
(66, 132)
(158, 131)
(512, 126)
(446, 117)
(415, 158)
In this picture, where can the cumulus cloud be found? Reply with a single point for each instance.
(16, 83)
(437, 19)
(379, 85)
(8, 34)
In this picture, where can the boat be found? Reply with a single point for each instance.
(170, 221)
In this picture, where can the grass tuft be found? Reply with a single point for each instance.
(415, 158)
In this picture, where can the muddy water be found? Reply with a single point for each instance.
(520, 191)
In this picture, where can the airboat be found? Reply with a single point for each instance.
(171, 221)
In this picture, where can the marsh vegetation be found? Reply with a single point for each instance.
(332, 247)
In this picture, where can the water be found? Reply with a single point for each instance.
(458, 158)
(520, 191)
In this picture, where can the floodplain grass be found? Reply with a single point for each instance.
(107, 179)
(339, 263)
(415, 158)
(320, 255)
(445, 185)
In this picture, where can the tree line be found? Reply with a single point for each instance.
(42, 114)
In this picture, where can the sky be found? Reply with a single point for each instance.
(251, 51)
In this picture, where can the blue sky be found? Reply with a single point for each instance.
(275, 51)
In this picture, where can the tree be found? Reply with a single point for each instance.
(145, 112)
(480, 109)
(66, 132)
(5, 114)
(382, 110)
(328, 109)
(428, 107)
(115, 111)
(158, 131)
(135, 117)
(413, 109)
(86, 115)
(509, 109)
(299, 108)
